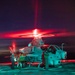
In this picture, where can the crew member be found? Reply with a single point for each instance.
(21, 60)
(46, 55)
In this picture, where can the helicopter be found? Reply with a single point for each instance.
(37, 51)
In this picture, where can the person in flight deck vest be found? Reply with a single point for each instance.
(46, 55)
(21, 60)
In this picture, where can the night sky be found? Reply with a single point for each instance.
(42, 14)
(20, 14)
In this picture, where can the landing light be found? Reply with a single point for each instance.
(36, 33)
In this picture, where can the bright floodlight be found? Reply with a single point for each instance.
(35, 33)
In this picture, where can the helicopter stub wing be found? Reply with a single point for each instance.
(26, 50)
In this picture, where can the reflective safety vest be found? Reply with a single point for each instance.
(22, 58)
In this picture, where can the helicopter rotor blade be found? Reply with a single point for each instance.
(41, 33)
